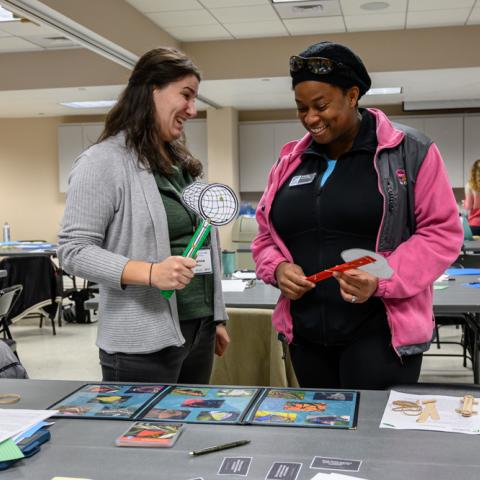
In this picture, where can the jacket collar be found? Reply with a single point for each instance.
(387, 135)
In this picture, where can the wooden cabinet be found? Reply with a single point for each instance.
(74, 138)
(447, 133)
(260, 144)
(256, 155)
(196, 135)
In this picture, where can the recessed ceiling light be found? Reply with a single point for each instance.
(90, 104)
(6, 16)
(385, 91)
(374, 6)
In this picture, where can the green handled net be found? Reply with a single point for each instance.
(216, 204)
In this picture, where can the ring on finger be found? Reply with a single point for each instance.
(353, 299)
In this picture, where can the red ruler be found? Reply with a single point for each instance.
(359, 262)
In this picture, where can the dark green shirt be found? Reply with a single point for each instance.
(196, 299)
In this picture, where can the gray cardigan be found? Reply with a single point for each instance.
(114, 213)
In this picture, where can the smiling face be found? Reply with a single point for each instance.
(174, 105)
(328, 113)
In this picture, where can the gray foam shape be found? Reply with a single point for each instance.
(380, 268)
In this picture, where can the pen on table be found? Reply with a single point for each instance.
(217, 448)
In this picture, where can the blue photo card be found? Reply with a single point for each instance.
(202, 405)
(111, 401)
(306, 408)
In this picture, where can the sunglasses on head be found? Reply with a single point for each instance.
(317, 65)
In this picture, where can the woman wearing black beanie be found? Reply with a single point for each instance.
(355, 180)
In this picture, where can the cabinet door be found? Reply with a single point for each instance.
(447, 133)
(285, 132)
(70, 146)
(257, 155)
(414, 122)
(472, 144)
(196, 135)
(91, 132)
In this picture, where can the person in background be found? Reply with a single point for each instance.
(472, 198)
(125, 228)
(355, 180)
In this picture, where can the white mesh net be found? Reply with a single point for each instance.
(214, 202)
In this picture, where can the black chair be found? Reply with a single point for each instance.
(469, 340)
(42, 287)
(8, 297)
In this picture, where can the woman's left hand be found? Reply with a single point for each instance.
(356, 286)
(221, 340)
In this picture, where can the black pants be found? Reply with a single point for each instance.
(190, 363)
(367, 362)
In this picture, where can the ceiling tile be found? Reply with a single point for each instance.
(354, 7)
(20, 29)
(474, 18)
(232, 3)
(148, 6)
(437, 18)
(256, 29)
(182, 19)
(422, 5)
(388, 21)
(315, 26)
(199, 32)
(4, 34)
(14, 44)
(253, 13)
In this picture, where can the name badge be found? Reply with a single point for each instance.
(204, 262)
(302, 180)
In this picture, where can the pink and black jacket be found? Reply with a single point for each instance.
(420, 233)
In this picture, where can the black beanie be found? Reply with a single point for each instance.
(351, 72)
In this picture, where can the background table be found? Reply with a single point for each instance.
(471, 246)
(85, 448)
(255, 356)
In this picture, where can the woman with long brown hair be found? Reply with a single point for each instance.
(125, 228)
(472, 198)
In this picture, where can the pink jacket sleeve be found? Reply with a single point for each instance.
(436, 243)
(267, 248)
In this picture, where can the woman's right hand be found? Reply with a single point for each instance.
(292, 281)
(173, 273)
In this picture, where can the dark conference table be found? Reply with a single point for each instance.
(456, 298)
(85, 448)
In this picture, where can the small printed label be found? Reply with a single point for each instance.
(336, 464)
(235, 466)
(284, 471)
(204, 262)
(302, 180)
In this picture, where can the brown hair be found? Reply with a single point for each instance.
(474, 179)
(134, 113)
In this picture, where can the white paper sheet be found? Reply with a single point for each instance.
(233, 285)
(14, 421)
(244, 275)
(335, 476)
(450, 420)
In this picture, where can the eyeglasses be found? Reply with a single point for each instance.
(317, 65)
